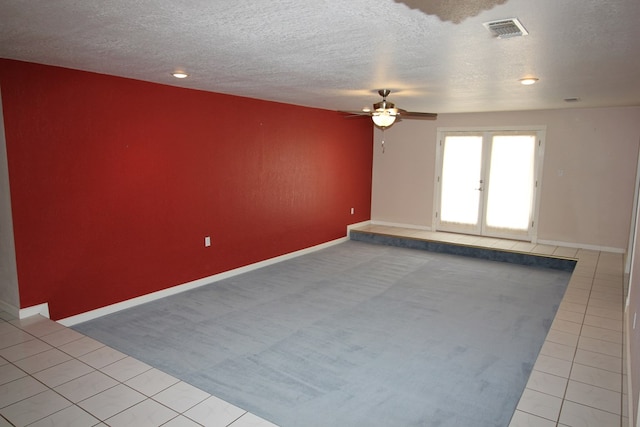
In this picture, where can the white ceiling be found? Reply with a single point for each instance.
(334, 54)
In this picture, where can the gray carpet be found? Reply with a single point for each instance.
(353, 335)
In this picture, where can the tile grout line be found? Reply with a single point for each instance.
(606, 278)
(575, 352)
(592, 278)
(76, 404)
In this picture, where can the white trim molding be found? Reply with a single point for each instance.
(582, 246)
(22, 313)
(396, 224)
(12, 310)
(41, 309)
(113, 308)
(356, 225)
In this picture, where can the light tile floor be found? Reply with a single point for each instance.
(53, 376)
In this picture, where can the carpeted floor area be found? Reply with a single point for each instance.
(355, 334)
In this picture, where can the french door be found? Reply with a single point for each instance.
(487, 182)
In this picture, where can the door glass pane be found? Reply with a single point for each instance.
(461, 169)
(510, 192)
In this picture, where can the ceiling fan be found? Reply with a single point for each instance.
(384, 113)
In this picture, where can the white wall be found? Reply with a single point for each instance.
(589, 204)
(9, 296)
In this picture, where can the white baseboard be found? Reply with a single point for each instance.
(21, 313)
(113, 308)
(397, 224)
(582, 246)
(357, 224)
(41, 309)
(12, 310)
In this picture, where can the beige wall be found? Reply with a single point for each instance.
(587, 181)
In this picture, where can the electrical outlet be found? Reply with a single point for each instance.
(352, 211)
(207, 241)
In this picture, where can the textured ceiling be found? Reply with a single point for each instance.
(436, 56)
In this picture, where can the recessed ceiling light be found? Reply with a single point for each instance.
(180, 75)
(528, 80)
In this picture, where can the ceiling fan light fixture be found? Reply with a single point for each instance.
(384, 113)
(384, 117)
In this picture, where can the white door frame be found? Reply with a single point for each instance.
(539, 130)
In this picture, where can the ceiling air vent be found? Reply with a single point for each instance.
(506, 28)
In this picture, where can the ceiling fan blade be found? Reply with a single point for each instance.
(350, 114)
(358, 112)
(416, 115)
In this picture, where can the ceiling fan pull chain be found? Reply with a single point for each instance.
(382, 141)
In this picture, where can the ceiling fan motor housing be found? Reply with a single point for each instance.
(383, 105)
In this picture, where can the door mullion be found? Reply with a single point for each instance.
(500, 209)
(486, 167)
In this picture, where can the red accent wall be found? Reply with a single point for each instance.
(116, 182)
